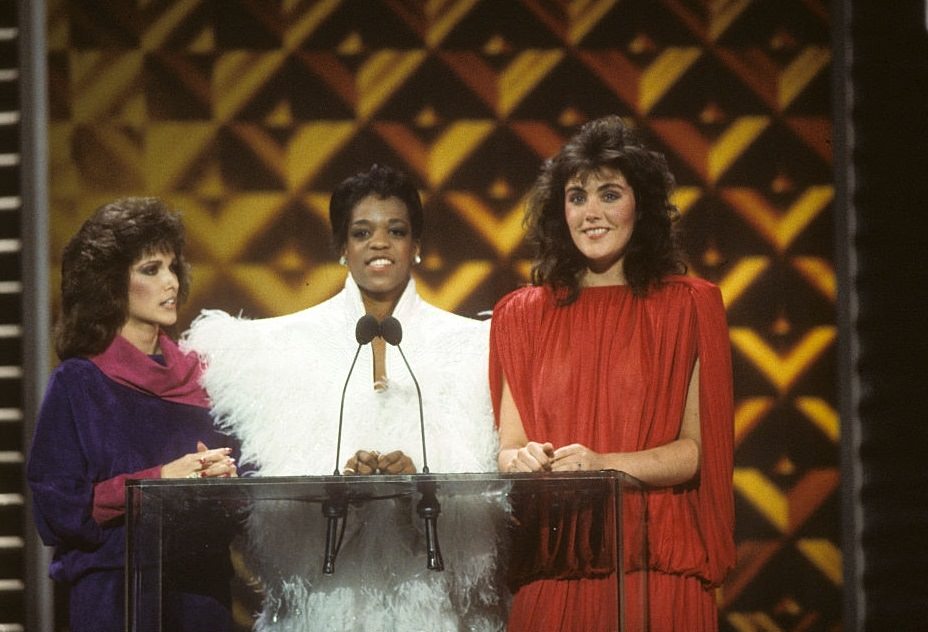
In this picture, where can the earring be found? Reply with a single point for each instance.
(417, 260)
(342, 261)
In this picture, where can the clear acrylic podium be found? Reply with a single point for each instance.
(584, 524)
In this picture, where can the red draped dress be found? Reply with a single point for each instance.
(611, 372)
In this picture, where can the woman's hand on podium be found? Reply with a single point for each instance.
(204, 463)
(363, 462)
(532, 457)
(395, 463)
(372, 462)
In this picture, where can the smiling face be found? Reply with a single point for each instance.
(153, 288)
(600, 213)
(380, 251)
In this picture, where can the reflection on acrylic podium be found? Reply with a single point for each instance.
(181, 534)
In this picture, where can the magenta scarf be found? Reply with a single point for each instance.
(178, 380)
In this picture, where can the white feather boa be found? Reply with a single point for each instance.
(276, 384)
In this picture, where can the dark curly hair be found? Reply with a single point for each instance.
(382, 181)
(95, 270)
(652, 252)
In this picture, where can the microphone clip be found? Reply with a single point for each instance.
(335, 510)
(428, 509)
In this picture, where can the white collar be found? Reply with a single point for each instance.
(405, 308)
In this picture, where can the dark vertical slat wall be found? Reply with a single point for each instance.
(890, 121)
(12, 520)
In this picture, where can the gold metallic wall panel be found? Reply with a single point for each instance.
(245, 114)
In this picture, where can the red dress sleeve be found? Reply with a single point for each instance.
(715, 511)
(511, 347)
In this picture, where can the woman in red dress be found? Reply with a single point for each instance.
(613, 359)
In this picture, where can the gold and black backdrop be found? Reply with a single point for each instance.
(245, 113)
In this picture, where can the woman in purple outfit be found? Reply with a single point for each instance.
(124, 403)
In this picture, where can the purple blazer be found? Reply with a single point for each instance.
(91, 429)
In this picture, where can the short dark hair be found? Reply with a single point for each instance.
(95, 270)
(652, 253)
(382, 181)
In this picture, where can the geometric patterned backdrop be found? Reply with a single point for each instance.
(245, 113)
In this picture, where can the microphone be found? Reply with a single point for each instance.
(366, 330)
(335, 507)
(392, 332)
(428, 507)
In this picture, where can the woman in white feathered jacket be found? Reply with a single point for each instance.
(276, 384)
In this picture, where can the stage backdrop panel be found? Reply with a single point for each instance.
(244, 114)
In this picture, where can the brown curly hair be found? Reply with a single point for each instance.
(652, 252)
(95, 270)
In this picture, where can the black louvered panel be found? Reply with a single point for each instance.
(12, 521)
(890, 78)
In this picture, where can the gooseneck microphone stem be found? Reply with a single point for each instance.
(425, 460)
(392, 332)
(335, 506)
(341, 413)
(366, 329)
(428, 508)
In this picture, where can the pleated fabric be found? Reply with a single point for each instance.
(611, 372)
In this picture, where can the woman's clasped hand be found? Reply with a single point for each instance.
(373, 462)
(204, 463)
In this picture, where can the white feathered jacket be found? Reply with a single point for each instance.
(276, 384)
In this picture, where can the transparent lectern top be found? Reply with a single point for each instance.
(322, 531)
